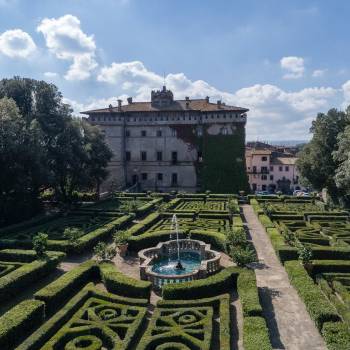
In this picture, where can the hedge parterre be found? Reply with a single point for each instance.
(95, 306)
(324, 284)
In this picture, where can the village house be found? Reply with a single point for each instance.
(271, 168)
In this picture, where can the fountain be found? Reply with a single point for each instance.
(177, 260)
(175, 226)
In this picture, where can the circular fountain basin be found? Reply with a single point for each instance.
(158, 264)
(190, 261)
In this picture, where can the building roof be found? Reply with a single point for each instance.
(284, 160)
(201, 105)
(256, 152)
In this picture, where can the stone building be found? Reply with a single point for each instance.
(272, 169)
(167, 144)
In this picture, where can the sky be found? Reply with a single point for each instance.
(284, 60)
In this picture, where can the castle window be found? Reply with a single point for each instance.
(287, 168)
(271, 168)
(174, 179)
(263, 177)
(280, 168)
(143, 133)
(271, 177)
(144, 176)
(159, 156)
(127, 133)
(264, 159)
(143, 155)
(127, 156)
(160, 176)
(199, 132)
(159, 133)
(173, 132)
(174, 157)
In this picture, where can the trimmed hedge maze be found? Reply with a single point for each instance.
(324, 282)
(18, 268)
(74, 312)
(93, 223)
(94, 306)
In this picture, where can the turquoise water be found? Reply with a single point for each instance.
(166, 266)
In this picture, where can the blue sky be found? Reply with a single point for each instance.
(284, 60)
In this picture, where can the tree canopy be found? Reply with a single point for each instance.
(324, 162)
(43, 146)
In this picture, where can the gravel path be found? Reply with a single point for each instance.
(289, 323)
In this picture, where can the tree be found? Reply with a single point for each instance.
(342, 157)
(40, 244)
(79, 159)
(44, 147)
(316, 163)
(22, 161)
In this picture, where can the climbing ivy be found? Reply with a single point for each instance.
(222, 169)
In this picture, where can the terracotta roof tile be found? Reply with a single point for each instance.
(178, 105)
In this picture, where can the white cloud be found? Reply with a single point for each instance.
(50, 75)
(274, 113)
(346, 94)
(294, 67)
(318, 73)
(16, 43)
(67, 41)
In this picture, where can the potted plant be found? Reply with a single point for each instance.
(104, 252)
(305, 256)
(120, 239)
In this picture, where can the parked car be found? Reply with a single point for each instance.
(262, 193)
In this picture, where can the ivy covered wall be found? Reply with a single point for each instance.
(222, 169)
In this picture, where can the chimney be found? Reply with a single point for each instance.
(110, 106)
(187, 98)
(219, 103)
(129, 100)
(187, 105)
(119, 105)
(207, 99)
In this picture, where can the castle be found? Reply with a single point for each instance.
(166, 144)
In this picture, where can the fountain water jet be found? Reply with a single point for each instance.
(175, 226)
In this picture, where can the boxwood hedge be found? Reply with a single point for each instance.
(18, 322)
(336, 335)
(59, 291)
(318, 306)
(123, 285)
(219, 283)
(255, 334)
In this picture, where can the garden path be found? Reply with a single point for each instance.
(289, 323)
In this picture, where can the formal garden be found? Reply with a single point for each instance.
(312, 241)
(106, 300)
(95, 304)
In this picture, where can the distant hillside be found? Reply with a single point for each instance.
(289, 143)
